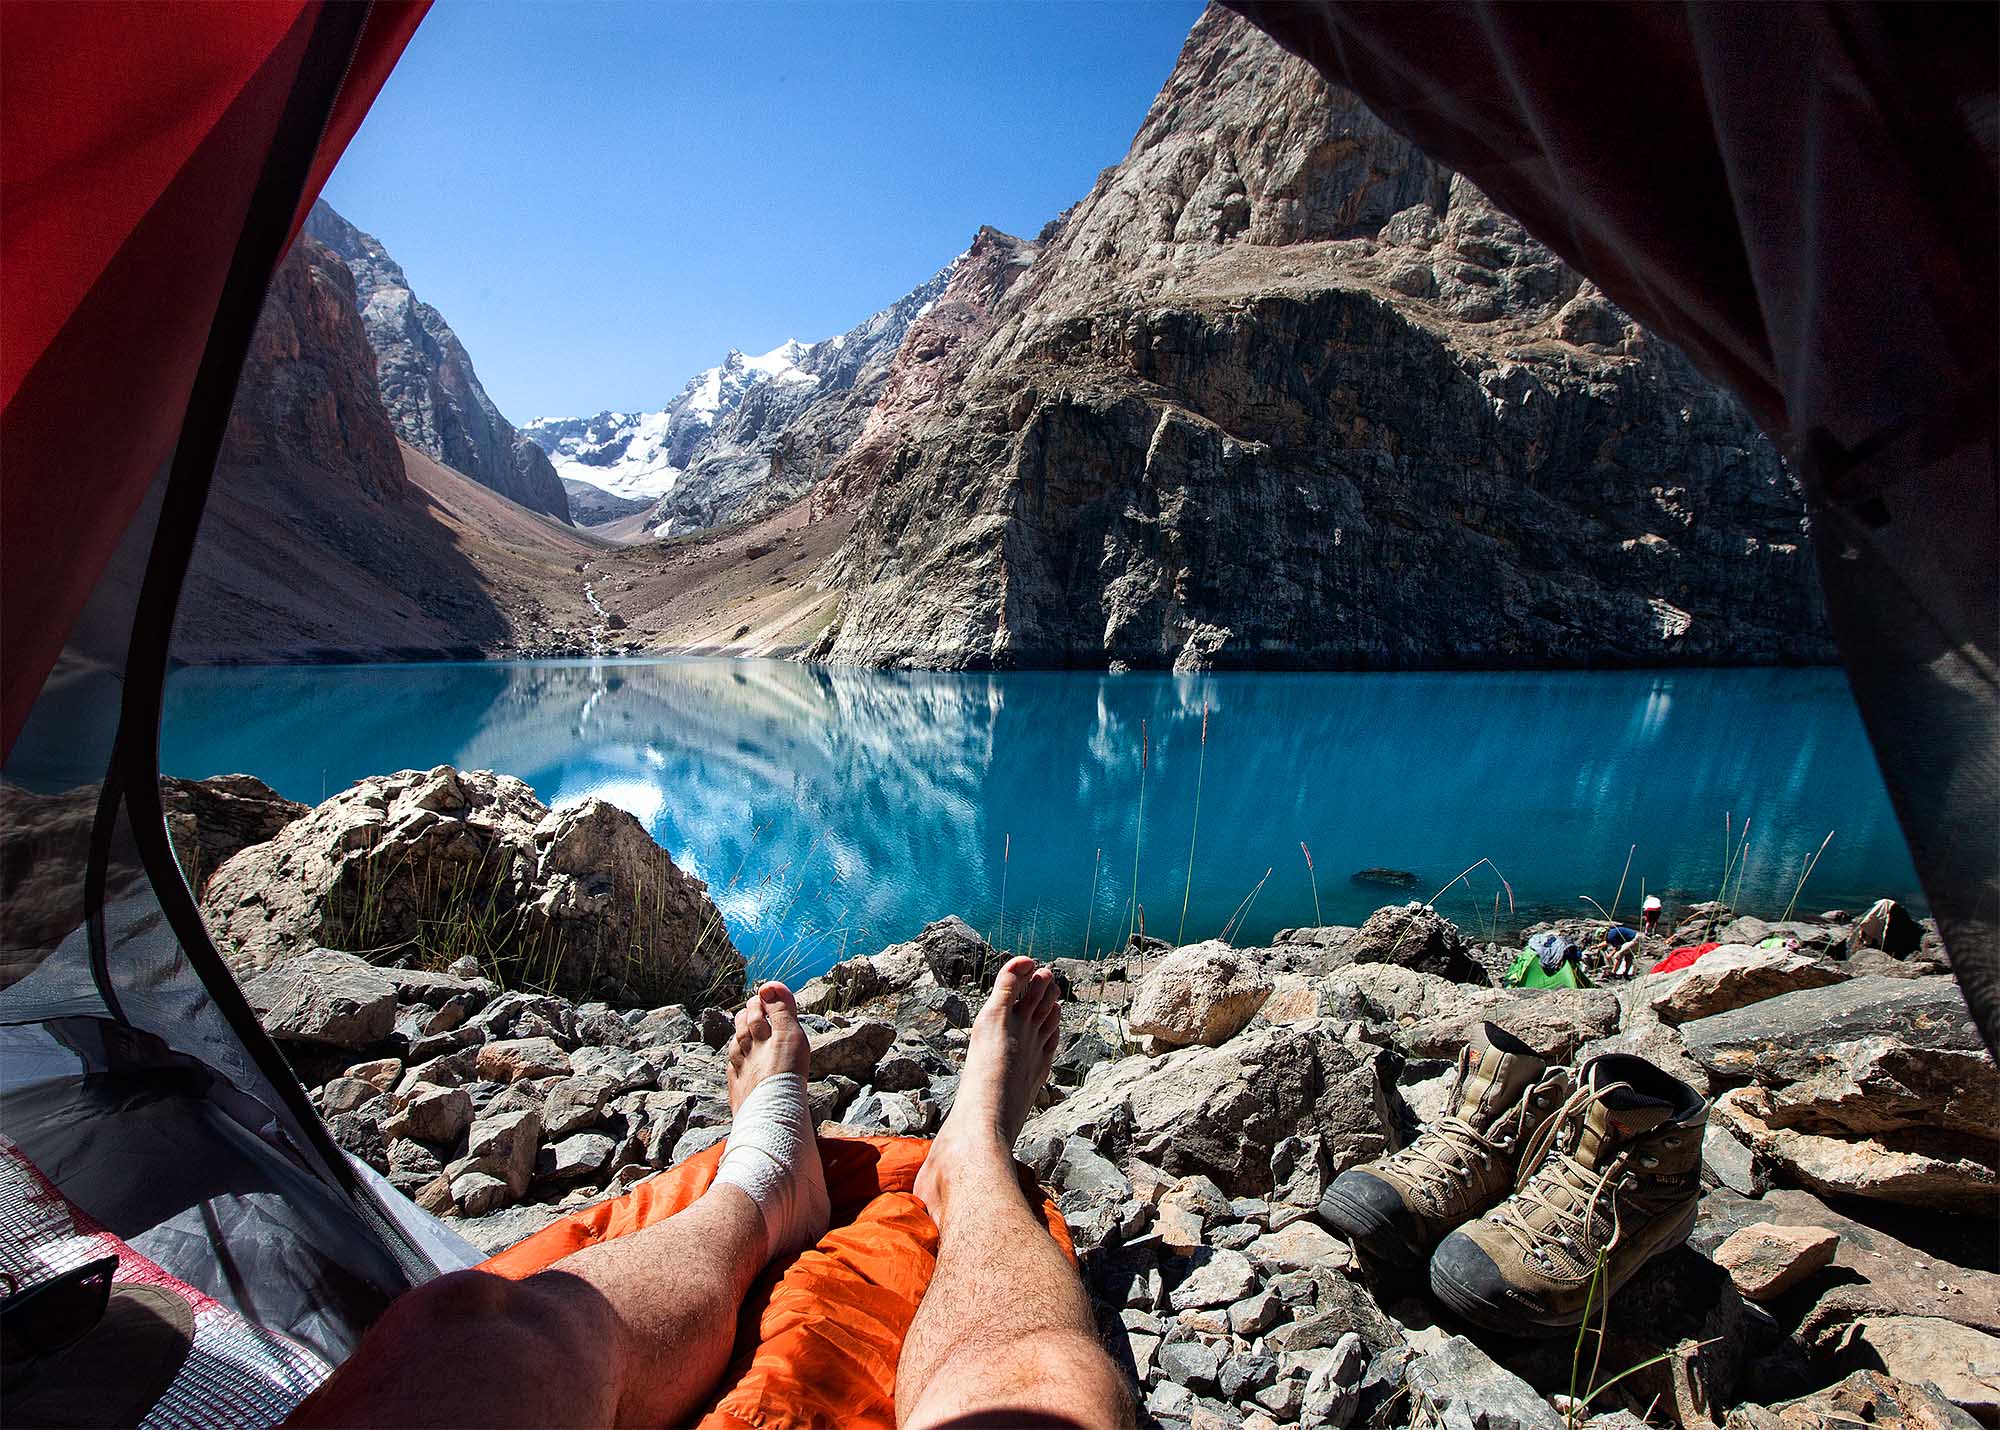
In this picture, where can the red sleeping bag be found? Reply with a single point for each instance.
(1681, 957)
(819, 1336)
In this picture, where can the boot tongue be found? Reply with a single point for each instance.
(1491, 1076)
(1616, 1117)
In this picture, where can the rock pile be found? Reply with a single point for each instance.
(1201, 1102)
(428, 866)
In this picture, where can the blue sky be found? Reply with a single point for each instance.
(604, 198)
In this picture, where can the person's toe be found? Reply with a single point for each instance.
(779, 1005)
(1011, 982)
(756, 1022)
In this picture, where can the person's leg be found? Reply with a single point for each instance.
(631, 1330)
(1004, 1334)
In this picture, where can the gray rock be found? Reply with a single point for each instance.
(1334, 1390)
(332, 999)
(1467, 1389)
(477, 1193)
(508, 1141)
(429, 1114)
(1221, 1111)
(851, 1051)
(1254, 1315)
(625, 1070)
(1192, 1363)
(695, 1139)
(1219, 1279)
(496, 1231)
(583, 1155)
(1242, 1376)
(1170, 1400)
(575, 1103)
(1079, 1167)
(1788, 1038)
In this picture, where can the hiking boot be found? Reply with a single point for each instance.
(1397, 1209)
(1613, 1177)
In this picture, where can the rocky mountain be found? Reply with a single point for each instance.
(593, 506)
(307, 398)
(428, 385)
(748, 435)
(1282, 391)
(327, 538)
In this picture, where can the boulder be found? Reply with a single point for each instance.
(582, 1155)
(1867, 1397)
(1415, 936)
(332, 999)
(429, 1114)
(1909, 1169)
(575, 1103)
(1961, 1363)
(1731, 977)
(1765, 1261)
(1222, 1111)
(1872, 1274)
(1790, 1037)
(513, 1059)
(1204, 993)
(565, 894)
(1465, 1387)
(1426, 1016)
(1220, 1278)
(852, 1051)
(504, 1144)
(210, 820)
(477, 1193)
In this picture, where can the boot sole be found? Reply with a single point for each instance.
(1520, 1320)
(1370, 1232)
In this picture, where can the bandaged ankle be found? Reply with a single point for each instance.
(771, 1157)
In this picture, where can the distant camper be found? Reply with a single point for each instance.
(1649, 914)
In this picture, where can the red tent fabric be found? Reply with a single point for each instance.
(135, 136)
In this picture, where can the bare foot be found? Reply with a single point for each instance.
(769, 1040)
(1006, 1063)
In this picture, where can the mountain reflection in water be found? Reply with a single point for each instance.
(835, 809)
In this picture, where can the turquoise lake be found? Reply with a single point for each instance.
(833, 811)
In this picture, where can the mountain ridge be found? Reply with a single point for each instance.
(1282, 391)
(429, 387)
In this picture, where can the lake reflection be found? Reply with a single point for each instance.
(838, 810)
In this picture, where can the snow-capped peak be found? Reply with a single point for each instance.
(643, 454)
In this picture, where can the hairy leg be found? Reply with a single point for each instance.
(1004, 1334)
(633, 1330)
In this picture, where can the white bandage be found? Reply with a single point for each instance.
(771, 1156)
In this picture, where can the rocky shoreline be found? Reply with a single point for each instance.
(1841, 1266)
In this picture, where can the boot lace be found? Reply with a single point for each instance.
(1449, 1152)
(1578, 1221)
